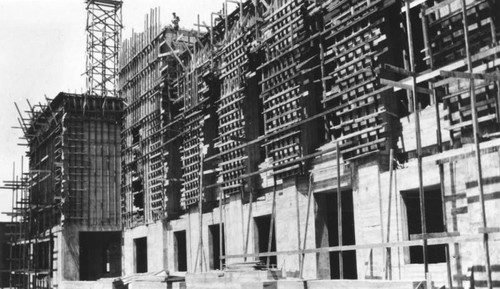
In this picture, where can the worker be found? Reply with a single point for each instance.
(175, 21)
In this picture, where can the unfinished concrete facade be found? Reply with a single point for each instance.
(328, 139)
(67, 205)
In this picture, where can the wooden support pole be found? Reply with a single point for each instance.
(398, 199)
(475, 130)
(339, 212)
(439, 141)
(13, 220)
(200, 209)
(273, 216)
(418, 137)
(309, 198)
(248, 220)
(221, 236)
(388, 262)
(298, 224)
(226, 33)
(489, 77)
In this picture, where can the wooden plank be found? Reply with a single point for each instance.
(398, 70)
(431, 74)
(401, 85)
(433, 235)
(488, 230)
(490, 77)
(432, 241)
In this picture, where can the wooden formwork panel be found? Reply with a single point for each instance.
(447, 45)
(355, 37)
(287, 98)
(142, 81)
(235, 108)
(75, 169)
(92, 172)
(446, 29)
(199, 92)
(191, 159)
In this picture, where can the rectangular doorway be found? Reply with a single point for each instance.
(141, 255)
(180, 252)
(262, 230)
(327, 235)
(100, 255)
(433, 205)
(215, 246)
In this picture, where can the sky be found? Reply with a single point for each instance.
(42, 52)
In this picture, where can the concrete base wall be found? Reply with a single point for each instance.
(239, 232)
(155, 245)
(380, 216)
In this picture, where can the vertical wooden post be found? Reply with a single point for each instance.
(439, 141)
(298, 223)
(200, 209)
(398, 199)
(475, 130)
(339, 213)
(221, 236)
(273, 215)
(248, 220)
(309, 197)
(418, 137)
(224, 7)
(221, 194)
(388, 262)
(13, 219)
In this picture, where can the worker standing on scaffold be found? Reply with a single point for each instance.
(175, 21)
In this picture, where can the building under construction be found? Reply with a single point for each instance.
(325, 139)
(67, 205)
(287, 143)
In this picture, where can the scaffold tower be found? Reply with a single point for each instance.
(104, 23)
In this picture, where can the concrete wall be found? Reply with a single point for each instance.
(161, 250)
(463, 213)
(379, 215)
(155, 246)
(67, 248)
